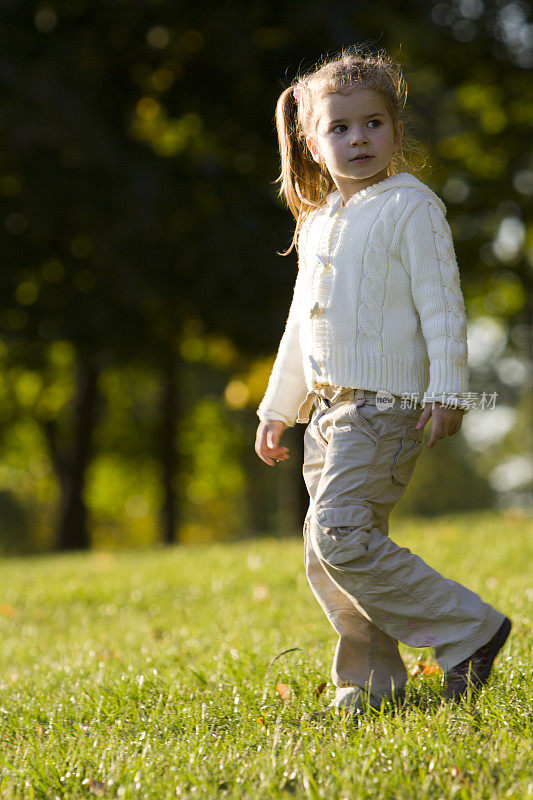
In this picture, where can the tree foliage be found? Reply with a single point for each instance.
(137, 189)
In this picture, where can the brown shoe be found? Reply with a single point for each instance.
(474, 671)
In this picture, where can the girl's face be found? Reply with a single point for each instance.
(355, 138)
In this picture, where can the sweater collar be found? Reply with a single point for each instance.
(397, 181)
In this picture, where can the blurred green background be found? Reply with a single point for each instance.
(142, 298)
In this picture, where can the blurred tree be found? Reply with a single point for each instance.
(119, 209)
(137, 164)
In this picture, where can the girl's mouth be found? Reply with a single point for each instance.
(362, 159)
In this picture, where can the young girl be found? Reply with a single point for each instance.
(376, 332)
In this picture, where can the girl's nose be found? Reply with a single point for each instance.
(358, 137)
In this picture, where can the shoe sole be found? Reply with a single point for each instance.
(476, 680)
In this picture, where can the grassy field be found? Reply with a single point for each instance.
(153, 675)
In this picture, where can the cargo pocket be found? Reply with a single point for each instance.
(340, 534)
(406, 456)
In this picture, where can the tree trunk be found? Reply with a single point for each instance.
(72, 459)
(167, 451)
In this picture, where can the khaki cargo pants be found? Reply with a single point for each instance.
(358, 460)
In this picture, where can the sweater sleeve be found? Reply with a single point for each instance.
(428, 255)
(287, 388)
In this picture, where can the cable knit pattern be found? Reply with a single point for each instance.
(450, 275)
(372, 296)
(377, 302)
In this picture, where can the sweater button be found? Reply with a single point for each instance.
(323, 262)
(315, 311)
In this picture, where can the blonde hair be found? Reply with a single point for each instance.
(304, 183)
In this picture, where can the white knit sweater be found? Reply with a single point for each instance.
(377, 302)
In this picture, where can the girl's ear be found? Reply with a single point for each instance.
(313, 147)
(398, 135)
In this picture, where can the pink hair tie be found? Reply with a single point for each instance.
(297, 91)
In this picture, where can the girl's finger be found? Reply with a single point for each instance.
(424, 416)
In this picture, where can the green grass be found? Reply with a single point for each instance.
(151, 675)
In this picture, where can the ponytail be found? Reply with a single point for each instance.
(303, 184)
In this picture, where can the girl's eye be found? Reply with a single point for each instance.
(373, 123)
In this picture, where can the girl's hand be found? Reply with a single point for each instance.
(267, 442)
(446, 421)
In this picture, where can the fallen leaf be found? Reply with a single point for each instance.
(261, 720)
(272, 662)
(432, 669)
(425, 669)
(320, 688)
(284, 691)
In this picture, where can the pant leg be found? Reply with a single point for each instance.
(365, 655)
(369, 458)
